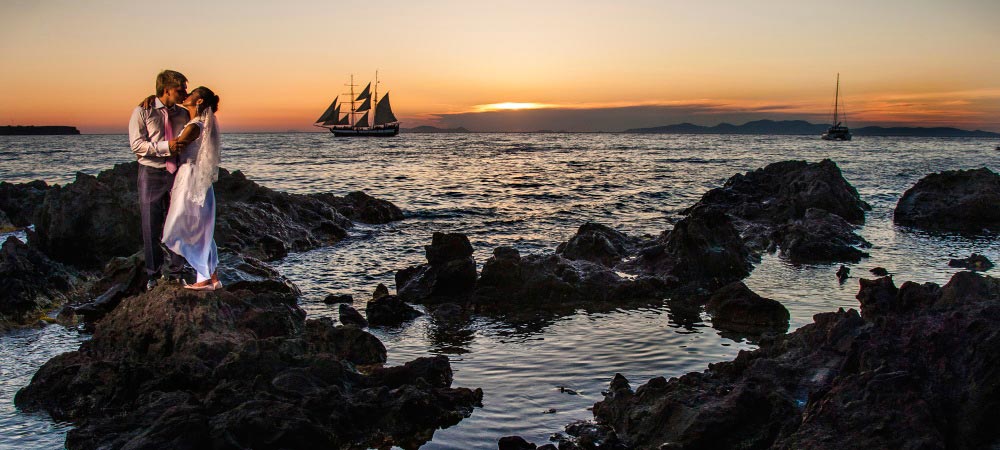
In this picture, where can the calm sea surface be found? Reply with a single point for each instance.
(529, 191)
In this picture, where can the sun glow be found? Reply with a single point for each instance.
(509, 106)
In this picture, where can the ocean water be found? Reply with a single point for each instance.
(529, 191)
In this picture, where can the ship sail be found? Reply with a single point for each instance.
(363, 122)
(383, 111)
(366, 105)
(346, 120)
(334, 118)
(365, 94)
(328, 113)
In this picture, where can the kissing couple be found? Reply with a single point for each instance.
(175, 138)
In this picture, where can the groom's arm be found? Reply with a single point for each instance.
(138, 136)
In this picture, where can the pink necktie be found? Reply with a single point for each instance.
(169, 134)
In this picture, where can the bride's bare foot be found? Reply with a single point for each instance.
(207, 285)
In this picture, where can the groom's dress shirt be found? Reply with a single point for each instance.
(147, 136)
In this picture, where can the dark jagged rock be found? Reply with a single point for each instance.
(180, 369)
(553, 281)
(18, 202)
(122, 277)
(598, 244)
(361, 207)
(338, 298)
(704, 249)
(389, 310)
(784, 191)
(973, 262)
(351, 316)
(31, 283)
(953, 200)
(804, 208)
(514, 443)
(820, 237)
(380, 291)
(916, 369)
(879, 271)
(450, 272)
(735, 307)
(93, 219)
(843, 273)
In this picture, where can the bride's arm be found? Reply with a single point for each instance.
(188, 135)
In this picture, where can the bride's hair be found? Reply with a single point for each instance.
(209, 99)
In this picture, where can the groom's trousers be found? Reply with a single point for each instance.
(154, 199)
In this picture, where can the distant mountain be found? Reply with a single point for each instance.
(430, 129)
(32, 130)
(805, 128)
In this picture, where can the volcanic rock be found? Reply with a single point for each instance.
(598, 244)
(174, 368)
(843, 273)
(953, 200)
(351, 316)
(361, 207)
(380, 291)
(31, 283)
(735, 307)
(973, 262)
(389, 310)
(819, 237)
(914, 370)
(18, 202)
(450, 272)
(338, 298)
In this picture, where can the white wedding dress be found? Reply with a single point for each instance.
(189, 229)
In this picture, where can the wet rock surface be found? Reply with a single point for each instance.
(389, 310)
(361, 207)
(31, 283)
(953, 200)
(735, 307)
(174, 368)
(973, 262)
(916, 369)
(771, 208)
(19, 201)
(598, 244)
(351, 316)
(94, 219)
(450, 272)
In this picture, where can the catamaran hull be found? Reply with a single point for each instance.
(370, 132)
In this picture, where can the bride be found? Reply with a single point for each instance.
(189, 230)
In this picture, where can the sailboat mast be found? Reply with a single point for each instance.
(836, 100)
(375, 92)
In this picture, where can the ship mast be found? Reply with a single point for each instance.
(836, 101)
(375, 91)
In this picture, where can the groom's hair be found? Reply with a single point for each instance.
(169, 79)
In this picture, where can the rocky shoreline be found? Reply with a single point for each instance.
(245, 368)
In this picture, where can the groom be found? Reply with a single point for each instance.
(151, 132)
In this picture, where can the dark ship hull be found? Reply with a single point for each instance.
(377, 131)
(837, 134)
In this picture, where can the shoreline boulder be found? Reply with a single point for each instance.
(952, 200)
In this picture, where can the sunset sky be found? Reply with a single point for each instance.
(565, 65)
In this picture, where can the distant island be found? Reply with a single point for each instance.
(801, 127)
(430, 129)
(31, 130)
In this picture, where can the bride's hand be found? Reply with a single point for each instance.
(175, 147)
(147, 103)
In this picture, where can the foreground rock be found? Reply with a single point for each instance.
(31, 284)
(450, 272)
(598, 244)
(916, 369)
(953, 200)
(18, 202)
(973, 262)
(736, 308)
(94, 219)
(179, 369)
(803, 208)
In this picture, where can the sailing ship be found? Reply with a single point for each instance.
(837, 132)
(353, 120)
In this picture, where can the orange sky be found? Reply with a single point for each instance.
(277, 65)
